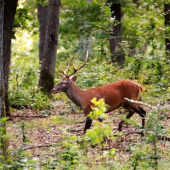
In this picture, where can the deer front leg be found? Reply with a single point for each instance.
(88, 124)
(131, 112)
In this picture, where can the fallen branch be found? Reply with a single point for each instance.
(80, 122)
(134, 132)
(166, 138)
(40, 116)
(39, 146)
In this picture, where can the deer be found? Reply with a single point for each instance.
(114, 95)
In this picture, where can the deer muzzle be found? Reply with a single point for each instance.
(54, 91)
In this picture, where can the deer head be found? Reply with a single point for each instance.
(66, 81)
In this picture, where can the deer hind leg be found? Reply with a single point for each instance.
(143, 118)
(139, 110)
(131, 112)
(88, 124)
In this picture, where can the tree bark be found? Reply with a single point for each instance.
(4, 145)
(46, 80)
(42, 15)
(167, 23)
(117, 53)
(9, 14)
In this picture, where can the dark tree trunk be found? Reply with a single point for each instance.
(42, 15)
(3, 142)
(46, 80)
(117, 53)
(136, 2)
(167, 23)
(9, 14)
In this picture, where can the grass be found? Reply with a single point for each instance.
(58, 129)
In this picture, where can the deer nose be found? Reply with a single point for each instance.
(52, 90)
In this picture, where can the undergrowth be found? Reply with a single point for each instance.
(92, 150)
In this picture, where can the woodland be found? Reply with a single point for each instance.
(124, 40)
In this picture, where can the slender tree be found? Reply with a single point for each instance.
(167, 23)
(42, 16)
(46, 80)
(132, 48)
(117, 53)
(85, 44)
(9, 14)
(3, 143)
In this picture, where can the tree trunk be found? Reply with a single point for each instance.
(46, 80)
(85, 43)
(3, 142)
(117, 53)
(167, 23)
(136, 2)
(42, 15)
(9, 14)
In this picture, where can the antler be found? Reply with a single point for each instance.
(64, 72)
(59, 73)
(75, 70)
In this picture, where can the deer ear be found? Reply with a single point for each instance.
(74, 78)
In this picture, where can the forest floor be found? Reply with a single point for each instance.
(44, 131)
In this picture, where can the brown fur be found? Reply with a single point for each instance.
(114, 95)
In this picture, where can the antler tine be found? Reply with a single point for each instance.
(64, 72)
(75, 70)
(71, 58)
(59, 74)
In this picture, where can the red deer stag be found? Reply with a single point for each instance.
(114, 95)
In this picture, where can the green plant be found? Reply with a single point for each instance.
(147, 154)
(23, 91)
(68, 157)
(2, 140)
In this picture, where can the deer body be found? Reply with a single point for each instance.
(114, 95)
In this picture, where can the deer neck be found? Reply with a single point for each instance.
(75, 94)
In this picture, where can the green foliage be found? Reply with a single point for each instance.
(2, 136)
(100, 131)
(26, 17)
(68, 157)
(145, 25)
(139, 156)
(147, 153)
(24, 74)
(70, 154)
(99, 109)
(42, 2)
(82, 18)
(24, 91)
